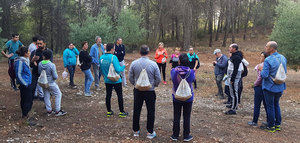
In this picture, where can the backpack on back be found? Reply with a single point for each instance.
(112, 74)
(245, 71)
(183, 91)
(43, 81)
(143, 83)
(280, 76)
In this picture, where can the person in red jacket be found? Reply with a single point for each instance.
(161, 57)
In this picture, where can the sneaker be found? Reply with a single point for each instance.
(173, 138)
(228, 106)
(60, 113)
(151, 136)
(87, 95)
(230, 112)
(136, 134)
(277, 128)
(97, 88)
(108, 114)
(123, 114)
(165, 82)
(187, 139)
(264, 123)
(49, 113)
(270, 129)
(252, 123)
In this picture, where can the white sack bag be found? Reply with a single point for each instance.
(64, 75)
(78, 62)
(143, 83)
(183, 91)
(43, 81)
(112, 74)
(280, 76)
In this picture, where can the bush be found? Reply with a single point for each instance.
(286, 31)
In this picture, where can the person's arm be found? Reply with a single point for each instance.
(196, 64)
(20, 43)
(124, 50)
(236, 64)
(156, 55)
(93, 54)
(157, 77)
(40, 68)
(54, 72)
(20, 67)
(65, 58)
(246, 63)
(117, 66)
(81, 55)
(3, 52)
(223, 63)
(76, 51)
(131, 74)
(166, 54)
(266, 70)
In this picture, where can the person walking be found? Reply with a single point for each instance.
(85, 65)
(120, 52)
(105, 61)
(96, 51)
(258, 92)
(11, 47)
(70, 58)
(161, 57)
(177, 74)
(272, 90)
(220, 65)
(148, 96)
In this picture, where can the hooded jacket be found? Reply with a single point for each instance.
(234, 64)
(182, 71)
(69, 57)
(50, 69)
(22, 71)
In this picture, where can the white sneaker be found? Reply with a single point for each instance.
(87, 95)
(151, 136)
(136, 134)
(60, 113)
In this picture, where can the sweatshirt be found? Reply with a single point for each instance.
(85, 60)
(159, 55)
(22, 71)
(50, 70)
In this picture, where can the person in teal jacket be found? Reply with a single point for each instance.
(105, 61)
(70, 58)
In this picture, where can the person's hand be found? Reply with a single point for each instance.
(35, 58)
(195, 69)
(260, 67)
(35, 63)
(10, 55)
(214, 63)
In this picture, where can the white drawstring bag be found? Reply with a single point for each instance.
(112, 74)
(143, 83)
(78, 62)
(64, 74)
(280, 76)
(43, 81)
(183, 91)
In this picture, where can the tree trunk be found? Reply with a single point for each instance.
(59, 27)
(147, 18)
(173, 28)
(247, 20)
(177, 29)
(226, 24)
(6, 19)
(187, 23)
(210, 23)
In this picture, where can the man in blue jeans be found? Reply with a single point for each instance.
(271, 90)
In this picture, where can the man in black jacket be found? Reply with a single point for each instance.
(35, 58)
(234, 72)
(120, 53)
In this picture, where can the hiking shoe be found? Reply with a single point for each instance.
(60, 113)
(49, 113)
(228, 106)
(165, 82)
(87, 95)
(151, 136)
(136, 134)
(252, 123)
(264, 123)
(230, 112)
(277, 128)
(270, 129)
(173, 138)
(123, 114)
(188, 138)
(108, 114)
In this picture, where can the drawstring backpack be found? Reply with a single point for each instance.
(112, 74)
(280, 76)
(183, 91)
(143, 83)
(43, 81)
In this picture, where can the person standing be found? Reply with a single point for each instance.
(105, 61)
(258, 92)
(85, 65)
(120, 53)
(11, 47)
(23, 76)
(149, 96)
(33, 46)
(96, 51)
(161, 57)
(36, 57)
(234, 71)
(194, 62)
(220, 65)
(70, 58)
(175, 58)
(177, 74)
(271, 90)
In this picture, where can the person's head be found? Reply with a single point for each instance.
(191, 50)
(15, 37)
(34, 39)
(144, 50)
(41, 43)
(98, 40)
(71, 46)
(23, 52)
(233, 48)
(271, 47)
(119, 41)
(160, 45)
(184, 60)
(177, 50)
(85, 45)
(110, 48)
(263, 56)
(47, 54)
(218, 53)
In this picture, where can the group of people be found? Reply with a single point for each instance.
(27, 64)
(266, 90)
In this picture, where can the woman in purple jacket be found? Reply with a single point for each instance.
(258, 92)
(177, 74)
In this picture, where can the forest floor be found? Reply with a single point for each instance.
(86, 120)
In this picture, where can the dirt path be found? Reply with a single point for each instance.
(86, 120)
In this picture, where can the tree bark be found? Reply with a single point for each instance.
(247, 19)
(6, 19)
(187, 23)
(210, 23)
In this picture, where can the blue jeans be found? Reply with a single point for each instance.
(273, 108)
(71, 70)
(258, 98)
(88, 81)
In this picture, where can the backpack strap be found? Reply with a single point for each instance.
(186, 76)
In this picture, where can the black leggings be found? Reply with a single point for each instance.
(26, 99)
(118, 89)
(162, 68)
